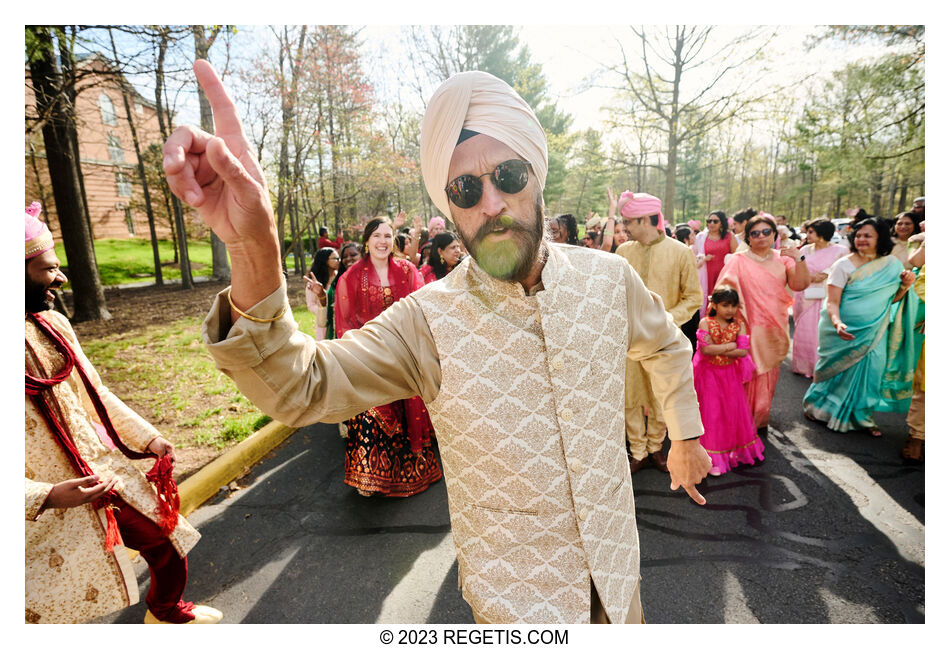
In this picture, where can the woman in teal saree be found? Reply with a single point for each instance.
(853, 331)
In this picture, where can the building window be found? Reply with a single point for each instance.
(116, 154)
(107, 110)
(129, 222)
(139, 109)
(123, 185)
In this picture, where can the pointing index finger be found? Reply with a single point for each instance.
(226, 120)
(695, 495)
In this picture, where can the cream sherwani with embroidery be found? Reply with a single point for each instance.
(530, 416)
(70, 578)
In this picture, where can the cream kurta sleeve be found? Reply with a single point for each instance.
(666, 355)
(36, 494)
(690, 293)
(299, 381)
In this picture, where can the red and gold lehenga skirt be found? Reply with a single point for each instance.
(379, 454)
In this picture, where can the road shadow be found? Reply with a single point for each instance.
(296, 545)
(825, 530)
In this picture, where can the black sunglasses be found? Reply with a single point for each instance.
(510, 176)
(764, 232)
(712, 220)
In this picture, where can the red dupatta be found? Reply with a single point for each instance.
(360, 297)
(161, 472)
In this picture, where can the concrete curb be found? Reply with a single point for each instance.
(204, 484)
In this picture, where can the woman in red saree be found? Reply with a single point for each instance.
(761, 274)
(389, 447)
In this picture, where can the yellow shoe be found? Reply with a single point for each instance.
(203, 615)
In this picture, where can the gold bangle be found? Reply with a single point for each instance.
(252, 318)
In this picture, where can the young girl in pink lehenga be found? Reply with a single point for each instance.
(720, 366)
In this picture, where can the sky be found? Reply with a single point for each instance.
(573, 57)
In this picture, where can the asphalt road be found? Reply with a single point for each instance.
(830, 528)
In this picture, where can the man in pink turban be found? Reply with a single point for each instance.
(530, 432)
(633, 205)
(668, 268)
(85, 501)
(436, 226)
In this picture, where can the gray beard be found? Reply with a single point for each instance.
(511, 259)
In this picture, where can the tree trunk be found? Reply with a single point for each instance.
(69, 88)
(141, 168)
(184, 262)
(220, 268)
(877, 180)
(89, 302)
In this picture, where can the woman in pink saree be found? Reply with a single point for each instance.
(761, 275)
(820, 254)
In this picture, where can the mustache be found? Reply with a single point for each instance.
(505, 221)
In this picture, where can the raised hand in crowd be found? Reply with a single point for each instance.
(314, 286)
(611, 204)
(399, 220)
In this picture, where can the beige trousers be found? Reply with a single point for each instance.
(646, 430)
(915, 415)
(597, 613)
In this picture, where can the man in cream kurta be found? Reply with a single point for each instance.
(668, 268)
(530, 422)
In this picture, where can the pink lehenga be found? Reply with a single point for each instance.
(731, 438)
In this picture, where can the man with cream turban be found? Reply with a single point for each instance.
(668, 269)
(530, 423)
(85, 501)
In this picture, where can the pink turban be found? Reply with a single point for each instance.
(694, 224)
(483, 103)
(641, 204)
(436, 220)
(38, 237)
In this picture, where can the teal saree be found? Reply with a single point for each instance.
(848, 375)
(904, 341)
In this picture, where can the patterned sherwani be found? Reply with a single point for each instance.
(530, 416)
(70, 578)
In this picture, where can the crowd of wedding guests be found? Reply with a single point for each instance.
(854, 290)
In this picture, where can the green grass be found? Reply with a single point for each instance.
(129, 261)
(165, 373)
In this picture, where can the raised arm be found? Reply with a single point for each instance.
(219, 176)
(300, 381)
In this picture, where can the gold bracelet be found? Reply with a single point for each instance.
(252, 318)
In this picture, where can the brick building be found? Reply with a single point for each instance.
(107, 155)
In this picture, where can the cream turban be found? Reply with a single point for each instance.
(483, 103)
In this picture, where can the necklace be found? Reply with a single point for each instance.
(756, 257)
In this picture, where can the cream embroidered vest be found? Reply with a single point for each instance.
(530, 421)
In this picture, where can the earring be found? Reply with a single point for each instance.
(365, 247)
(442, 259)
